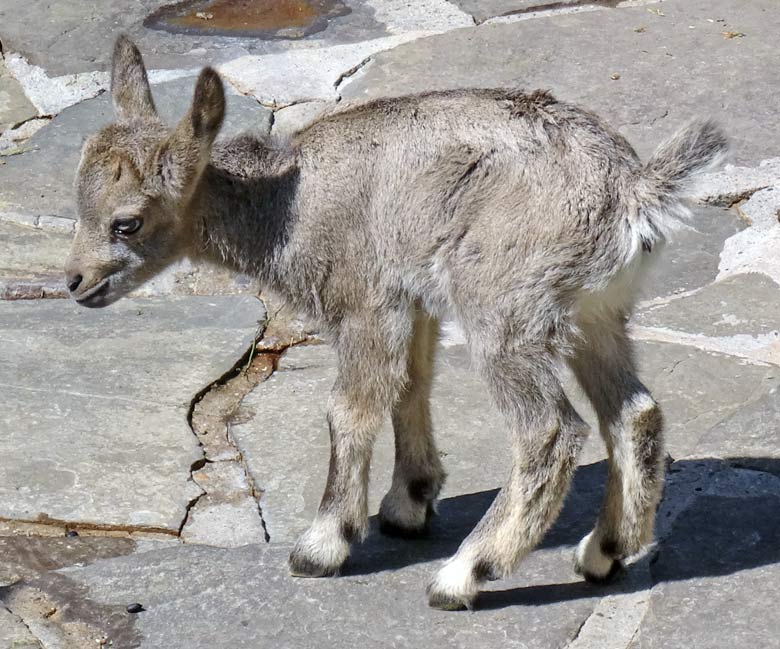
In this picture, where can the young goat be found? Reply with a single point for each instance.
(526, 219)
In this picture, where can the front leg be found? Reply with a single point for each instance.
(371, 374)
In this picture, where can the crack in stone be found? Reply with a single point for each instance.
(214, 408)
(351, 72)
(81, 526)
(24, 624)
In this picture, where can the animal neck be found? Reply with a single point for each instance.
(243, 209)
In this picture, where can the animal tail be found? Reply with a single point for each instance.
(669, 175)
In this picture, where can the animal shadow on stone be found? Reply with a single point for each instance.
(714, 535)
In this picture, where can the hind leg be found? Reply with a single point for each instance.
(418, 475)
(546, 434)
(631, 425)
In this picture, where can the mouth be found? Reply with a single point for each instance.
(96, 296)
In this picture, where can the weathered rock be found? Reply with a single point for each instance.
(32, 261)
(733, 184)
(754, 250)
(717, 565)
(25, 557)
(14, 105)
(700, 391)
(690, 260)
(482, 10)
(293, 118)
(91, 29)
(737, 316)
(244, 598)
(227, 516)
(666, 71)
(303, 75)
(740, 305)
(14, 633)
(94, 424)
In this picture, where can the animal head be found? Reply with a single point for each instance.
(134, 184)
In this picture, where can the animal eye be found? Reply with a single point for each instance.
(126, 226)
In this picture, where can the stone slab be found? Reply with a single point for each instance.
(14, 105)
(754, 250)
(13, 632)
(705, 397)
(31, 184)
(32, 260)
(26, 557)
(198, 596)
(740, 305)
(690, 259)
(668, 72)
(482, 10)
(94, 425)
(718, 572)
(79, 37)
(717, 557)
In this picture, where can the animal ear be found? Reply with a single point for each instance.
(208, 107)
(130, 90)
(178, 162)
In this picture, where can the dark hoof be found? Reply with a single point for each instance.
(301, 566)
(614, 570)
(388, 528)
(447, 602)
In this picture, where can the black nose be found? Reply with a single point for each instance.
(73, 282)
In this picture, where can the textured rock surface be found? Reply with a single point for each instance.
(482, 10)
(669, 73)
(94, 430)
(94, 423)
(14, 105)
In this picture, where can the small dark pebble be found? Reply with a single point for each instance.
(135, 607)
(71, 533)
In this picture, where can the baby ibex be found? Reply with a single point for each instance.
(526, 219)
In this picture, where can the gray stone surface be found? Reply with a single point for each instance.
(13, 632)
(94, 424)
(742, 304)
(482, 10)
(40, 180)
(718, 546)
(293, 118)
(669, 73)
(94, 430)
(79, 37)
(690, 260)
(201, 597)
(14, 105)
(701, 392)
(32, 261)
(717, 565)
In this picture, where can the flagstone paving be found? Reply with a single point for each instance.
(168, 450)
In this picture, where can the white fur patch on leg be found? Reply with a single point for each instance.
(454, 586)
(321, 550)
(590, 561)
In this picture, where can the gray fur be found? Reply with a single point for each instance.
(526, 219)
